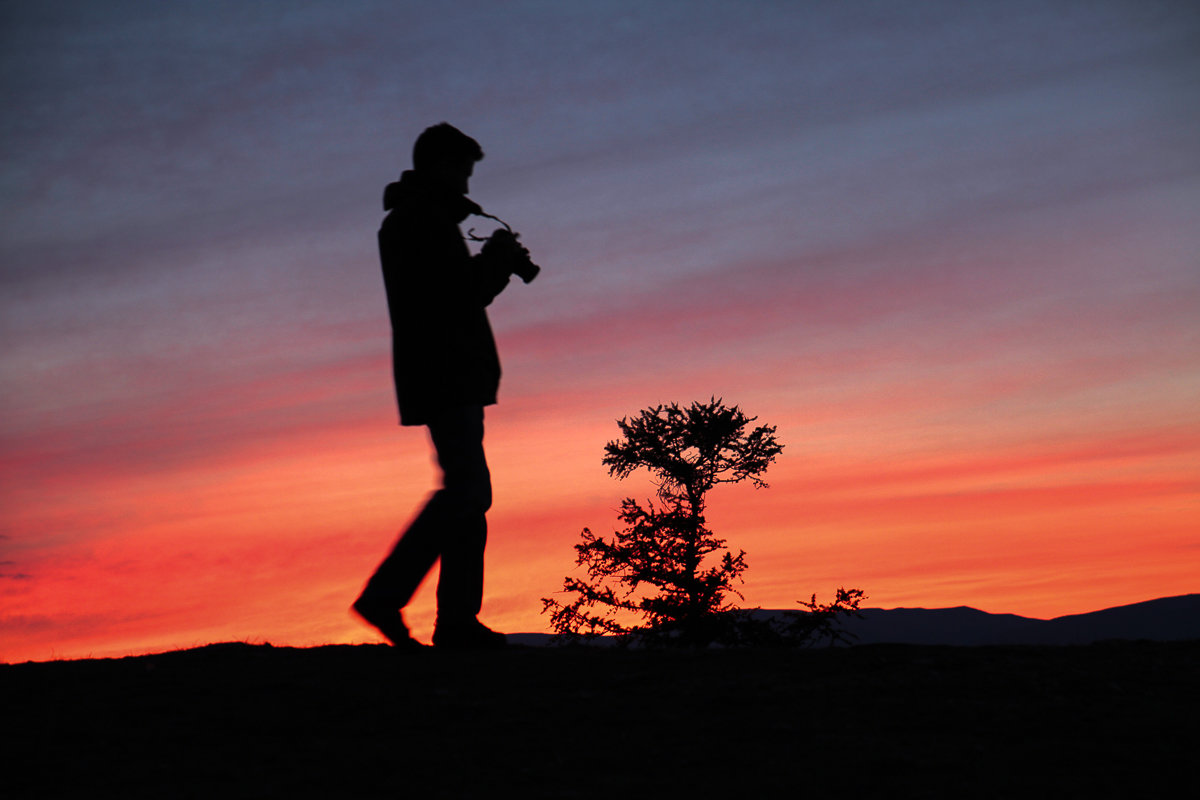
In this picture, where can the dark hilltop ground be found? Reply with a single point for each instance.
(1115, 719)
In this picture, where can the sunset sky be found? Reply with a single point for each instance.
(949, 249)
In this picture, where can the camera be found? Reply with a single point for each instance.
(505, 245)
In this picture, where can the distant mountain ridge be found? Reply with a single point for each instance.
(1165, 619)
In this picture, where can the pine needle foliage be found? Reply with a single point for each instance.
(665, 566)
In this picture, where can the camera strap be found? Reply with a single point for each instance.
(470, 234)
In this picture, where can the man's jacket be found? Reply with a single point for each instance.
(443, 351)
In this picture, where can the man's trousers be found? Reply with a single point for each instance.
(452, 526)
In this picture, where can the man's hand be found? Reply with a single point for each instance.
(504, 246)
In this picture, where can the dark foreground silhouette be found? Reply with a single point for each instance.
(235, 720)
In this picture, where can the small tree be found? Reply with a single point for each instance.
(822, 620)
(663, 566)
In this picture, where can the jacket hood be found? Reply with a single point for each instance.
(413, 190)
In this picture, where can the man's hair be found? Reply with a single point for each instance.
(444, 142)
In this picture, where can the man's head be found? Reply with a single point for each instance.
(447, 155)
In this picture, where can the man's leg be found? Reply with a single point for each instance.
(468, 494)
(396, 579)
(465, 497)
(394, 582)
(452, 526)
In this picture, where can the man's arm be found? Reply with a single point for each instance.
(501, 256)
(491, 275)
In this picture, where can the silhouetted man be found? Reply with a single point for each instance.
(446, 370)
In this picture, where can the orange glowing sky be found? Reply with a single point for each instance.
(949, 253)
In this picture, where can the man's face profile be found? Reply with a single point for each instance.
(453, 173)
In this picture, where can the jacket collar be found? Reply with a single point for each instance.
(414, 191)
